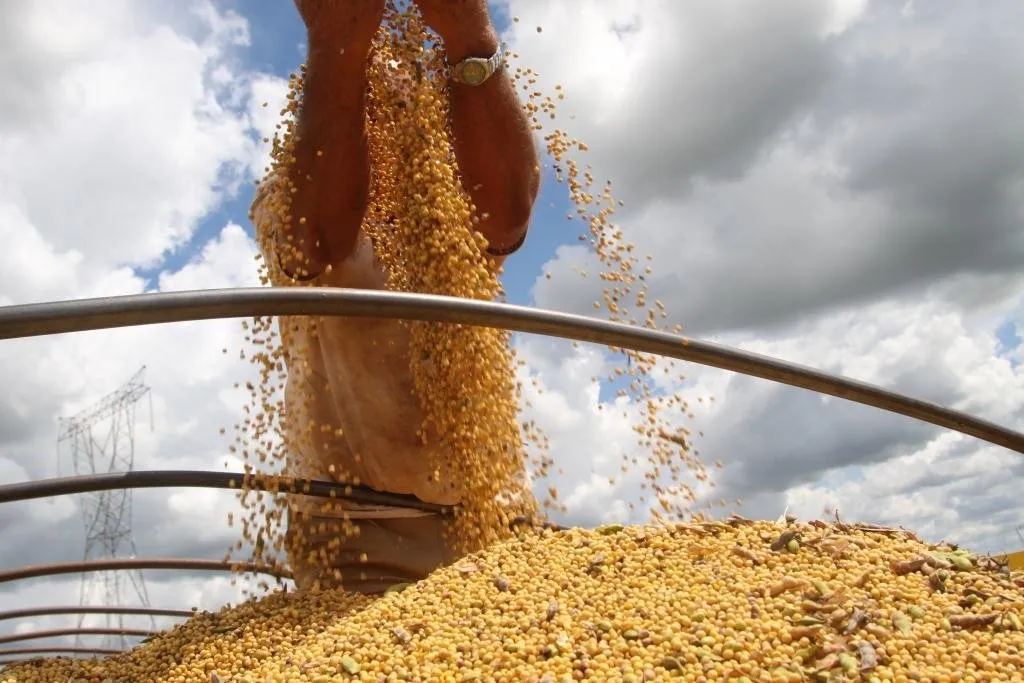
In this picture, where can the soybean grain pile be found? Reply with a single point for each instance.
(712, 601)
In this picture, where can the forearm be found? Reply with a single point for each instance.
(331, 166)
(493, 142)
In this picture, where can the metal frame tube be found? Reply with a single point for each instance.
(120, 564)
(57, 632)
(55, 650)
(31, 320)
(94, 609)
(61, 486)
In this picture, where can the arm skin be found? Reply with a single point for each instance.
(331, 171)
(493, 139)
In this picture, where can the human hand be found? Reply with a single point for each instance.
(338, 23)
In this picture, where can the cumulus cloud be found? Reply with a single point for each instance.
(777, 160)
(140, 148)
(787, 446)
(832, 183)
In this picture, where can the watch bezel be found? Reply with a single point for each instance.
(490, 66)
(471, 64)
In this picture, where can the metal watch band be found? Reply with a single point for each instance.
(493, 63)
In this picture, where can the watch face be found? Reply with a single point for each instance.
(474, 72)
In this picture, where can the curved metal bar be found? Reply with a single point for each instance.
(94, 609)
(61, 486)
(119, 564)
(29, 320)
(54, 633)
(55, 650)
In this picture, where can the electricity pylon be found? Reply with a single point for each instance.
(103, 441)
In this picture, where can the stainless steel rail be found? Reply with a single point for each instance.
(119, 564)
(94, 609)
(54, 651)
(144, 479)
(31, 320)
(85, 630)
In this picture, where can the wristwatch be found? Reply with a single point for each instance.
(476, 70)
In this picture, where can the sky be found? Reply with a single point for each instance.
(837, 183)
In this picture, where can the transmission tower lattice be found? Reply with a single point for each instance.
(103, 441)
